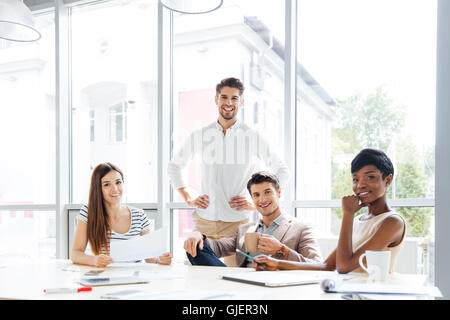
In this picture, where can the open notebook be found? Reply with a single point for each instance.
(281, 278)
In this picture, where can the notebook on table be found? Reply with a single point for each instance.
(276, 278)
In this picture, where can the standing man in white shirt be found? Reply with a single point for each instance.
(229, 152)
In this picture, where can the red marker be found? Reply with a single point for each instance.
(67, 290)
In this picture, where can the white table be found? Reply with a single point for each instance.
(27, 278)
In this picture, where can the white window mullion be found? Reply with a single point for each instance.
(63, 126)
(164, 111)
(290, 75)
(336, 203)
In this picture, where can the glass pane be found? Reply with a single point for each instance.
(367, 79)
(373, 90)
(416, 254)
(27, 118)
(28, 233)
(182, 228)
(92, 125)
(242, 39)
(118, 128)
(114, 92)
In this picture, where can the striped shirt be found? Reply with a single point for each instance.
(139, 223)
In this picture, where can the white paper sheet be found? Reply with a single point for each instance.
(161, 274)
(129, 265)
(184, 294)
(149, 246)
(385, 288)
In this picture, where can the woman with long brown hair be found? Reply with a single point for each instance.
(106, 219)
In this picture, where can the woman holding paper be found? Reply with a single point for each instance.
(105, 218)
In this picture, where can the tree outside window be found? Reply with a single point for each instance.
(375, 122)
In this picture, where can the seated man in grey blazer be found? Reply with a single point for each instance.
(281, 235)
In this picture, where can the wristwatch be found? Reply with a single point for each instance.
(283, 253)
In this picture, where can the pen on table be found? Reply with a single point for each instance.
(248, 256)
(67, 290)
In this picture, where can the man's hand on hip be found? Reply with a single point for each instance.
(190, 244)
(241, 203)
(201, 202)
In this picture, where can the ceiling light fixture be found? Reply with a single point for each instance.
(192, 6)
(17, 22)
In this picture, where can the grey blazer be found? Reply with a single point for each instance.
(296, 235)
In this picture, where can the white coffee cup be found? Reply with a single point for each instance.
(378, 264)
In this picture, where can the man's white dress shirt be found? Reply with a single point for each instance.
(227, 163)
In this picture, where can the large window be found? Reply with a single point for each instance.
(365, 78)
(371, 72)
(27, 118)
(114, 100)
(27, 128)
(242, 39)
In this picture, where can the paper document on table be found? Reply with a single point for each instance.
(143, 247)
(184, 294)
(284, 278)
(386, 288)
